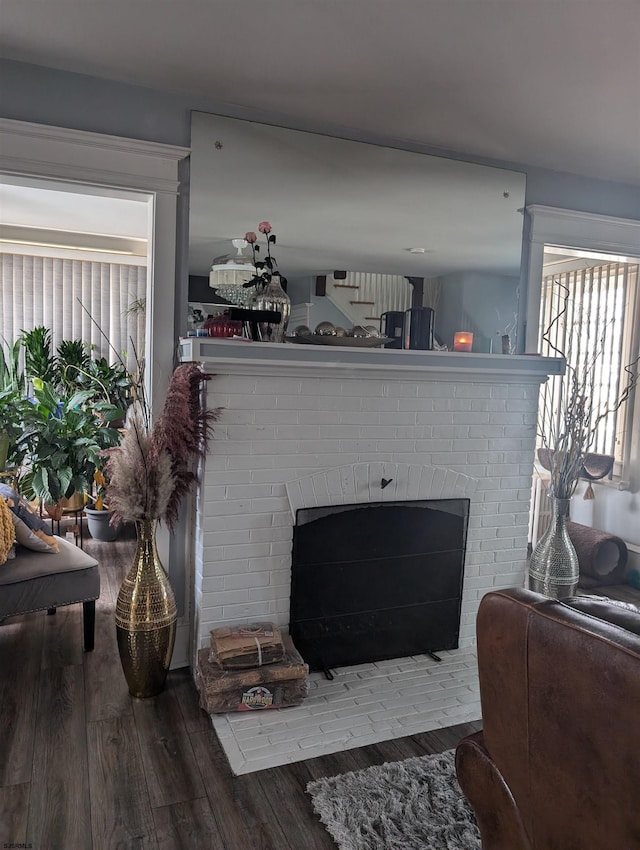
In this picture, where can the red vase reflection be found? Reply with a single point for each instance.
(222, 325)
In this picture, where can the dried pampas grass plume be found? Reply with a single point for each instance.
(150, 472)
(183, 431)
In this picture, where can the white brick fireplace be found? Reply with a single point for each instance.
(312, 425)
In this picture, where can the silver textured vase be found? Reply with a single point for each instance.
(553, 567)
(273, 297)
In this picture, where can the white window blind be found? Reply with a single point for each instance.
(52, 292)
(595, 328)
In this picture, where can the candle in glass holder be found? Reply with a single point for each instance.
(462, 341)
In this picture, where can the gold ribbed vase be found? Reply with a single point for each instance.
(146, 617)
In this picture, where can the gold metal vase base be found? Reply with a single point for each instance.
(146, 617)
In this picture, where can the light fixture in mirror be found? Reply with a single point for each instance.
(340, 204)
(229, 274)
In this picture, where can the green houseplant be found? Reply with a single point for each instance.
(62, 440)
(12, 405)
(39, 360)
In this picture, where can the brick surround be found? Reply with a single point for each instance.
(296, 432)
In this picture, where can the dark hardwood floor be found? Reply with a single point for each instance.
(83, 766)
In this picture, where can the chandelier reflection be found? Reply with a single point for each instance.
(229, 274)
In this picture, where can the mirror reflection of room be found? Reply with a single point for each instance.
(371, 241)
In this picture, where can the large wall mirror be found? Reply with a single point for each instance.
(342, 205)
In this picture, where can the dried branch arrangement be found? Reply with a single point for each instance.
(148, 474)
(568, 432)
(153, 468)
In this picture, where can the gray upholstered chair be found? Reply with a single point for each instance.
(38, 581)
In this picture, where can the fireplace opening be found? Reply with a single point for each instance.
(377, 581)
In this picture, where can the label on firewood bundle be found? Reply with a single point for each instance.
(258, 697)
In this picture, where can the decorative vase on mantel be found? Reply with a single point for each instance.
(273, 297)
(553, 566)
(146, 617)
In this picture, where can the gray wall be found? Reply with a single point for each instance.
(47, 96)
(482, 303)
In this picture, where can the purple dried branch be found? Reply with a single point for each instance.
(183, 430)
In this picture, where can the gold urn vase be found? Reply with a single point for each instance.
(146, 617)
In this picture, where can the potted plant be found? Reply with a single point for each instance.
(77, 370)
(62, 441)
(12, 406)
(98, 514)
(38, 358)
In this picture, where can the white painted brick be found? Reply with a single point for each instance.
(398, 418)
(249, 550)
(270, 437)
(244, 491)
(247, 580)
(344, 723)
(212, 584)
(272, 504)
(270, 593)
(242, 611)
(495, 521)
(218, 567)
(271, 534)
(232, 507)
(225, 597)
(216, 538)
(241, 521)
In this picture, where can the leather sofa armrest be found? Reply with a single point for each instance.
(489, 796)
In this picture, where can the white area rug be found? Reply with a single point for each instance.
(414, 804)
(364, 704)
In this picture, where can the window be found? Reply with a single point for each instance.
(587, 310)
(75, 299)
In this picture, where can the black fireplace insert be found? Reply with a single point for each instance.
(378, 580)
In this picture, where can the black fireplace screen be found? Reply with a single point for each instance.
(377, 580)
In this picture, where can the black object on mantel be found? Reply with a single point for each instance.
(418, 329)
(393, 327)
(255, 317)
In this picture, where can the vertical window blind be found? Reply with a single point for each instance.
(594, 330)
(53, 292)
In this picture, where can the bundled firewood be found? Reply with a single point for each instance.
(239, 647)
(275, 686)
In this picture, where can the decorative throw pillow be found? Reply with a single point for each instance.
(38, 541)
(7, 532)
(22, 509)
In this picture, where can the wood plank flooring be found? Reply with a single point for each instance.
(83, 766)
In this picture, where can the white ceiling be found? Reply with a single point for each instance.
(549, 83)
(38, 206)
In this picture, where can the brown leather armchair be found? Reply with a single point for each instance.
(557, 765)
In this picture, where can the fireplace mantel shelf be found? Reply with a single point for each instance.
(260, 358)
